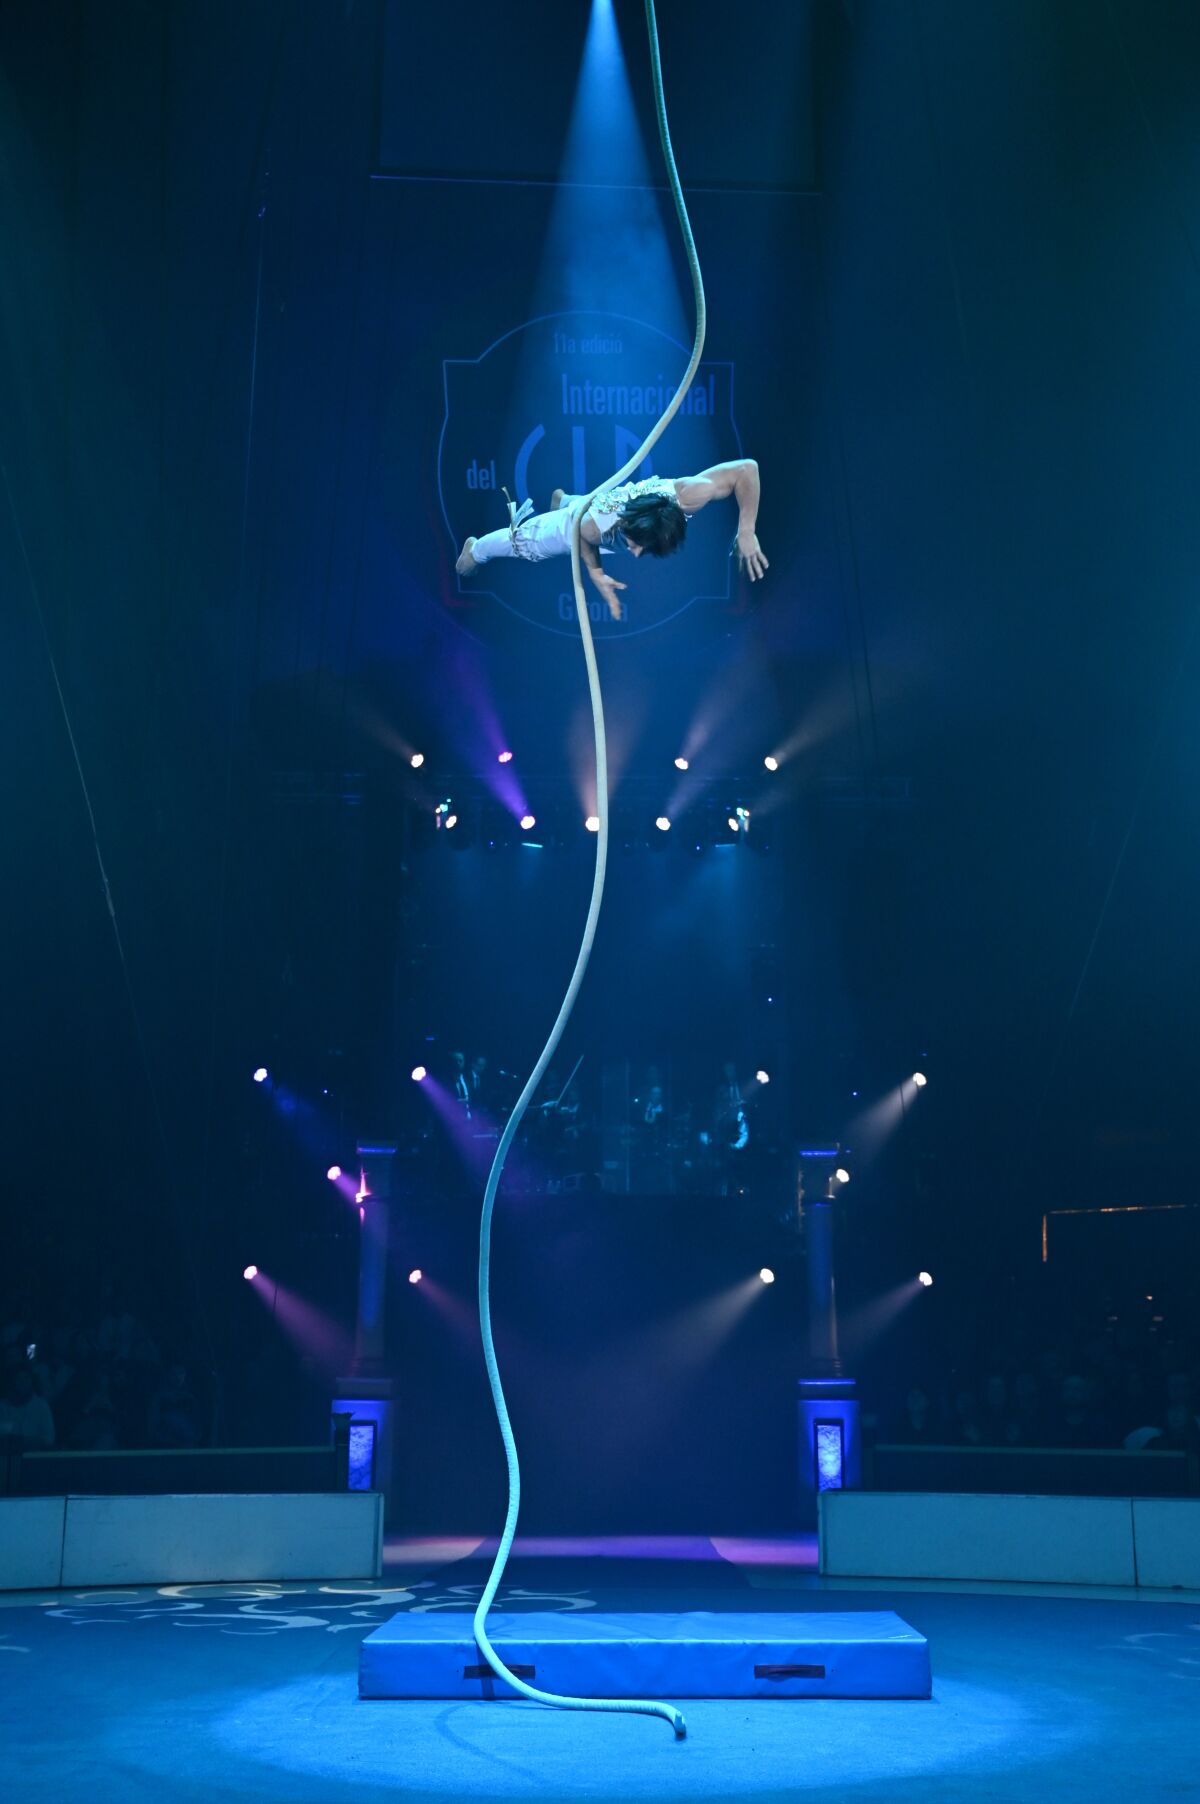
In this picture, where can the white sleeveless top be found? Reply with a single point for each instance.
(605, 512)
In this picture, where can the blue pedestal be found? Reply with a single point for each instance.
(722, 1654)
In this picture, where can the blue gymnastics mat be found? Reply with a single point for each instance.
(701, 1654)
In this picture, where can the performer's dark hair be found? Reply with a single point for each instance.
(655, 522)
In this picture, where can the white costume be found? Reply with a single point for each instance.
(549, 535)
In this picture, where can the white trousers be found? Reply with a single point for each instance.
(541, 536)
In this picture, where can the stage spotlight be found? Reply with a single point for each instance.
(842, 1175)
(261, 1075)
(767, 1275)
(924, 1279)
(528, 821)
(681, 764)
(733, 824)
(771, 763)
(451, 820)
(251, 1271)
(415, 1276)
(417, 760)
(762, 1077)
(663, 824)
(504, 758)
(592, 823)
(419, 1074)
(334, 1173)
(920, 1079)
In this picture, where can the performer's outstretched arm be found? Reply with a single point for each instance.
(738, 478)
(607, 585)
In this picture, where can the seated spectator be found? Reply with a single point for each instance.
(1077, 1423)
(26, 1420)
(917, 1425)
(173, 1419)
(60, 1363)
(1180, 1391)
(1133, 1408)
(1026, 1425)
(1181, 1434)
(965, 1421)
(135, 1380)
(95, 1427)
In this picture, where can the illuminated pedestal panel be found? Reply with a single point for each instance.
(368, 1405)
(829, 1446)
(718, 1654)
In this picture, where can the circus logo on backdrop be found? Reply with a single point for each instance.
(563, 402)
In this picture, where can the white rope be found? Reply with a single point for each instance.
(578, 510)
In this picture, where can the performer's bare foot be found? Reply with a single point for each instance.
(556, 500)
(466, 563)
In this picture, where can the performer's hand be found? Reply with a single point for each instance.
(750, 555)
(608, 586)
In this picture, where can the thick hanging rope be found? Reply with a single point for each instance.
(579, 508)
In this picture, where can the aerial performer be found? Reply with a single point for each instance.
(648, 517)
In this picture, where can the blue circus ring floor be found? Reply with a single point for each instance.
(183, 1693)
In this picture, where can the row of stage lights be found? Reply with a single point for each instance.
(260, 1075)
(770, 762)
(416, 1276)
(447, 819)
(251, 1272)
(766, 1276)
(419, 1073)
(839, 1176)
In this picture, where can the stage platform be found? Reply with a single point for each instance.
(696, 1654)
